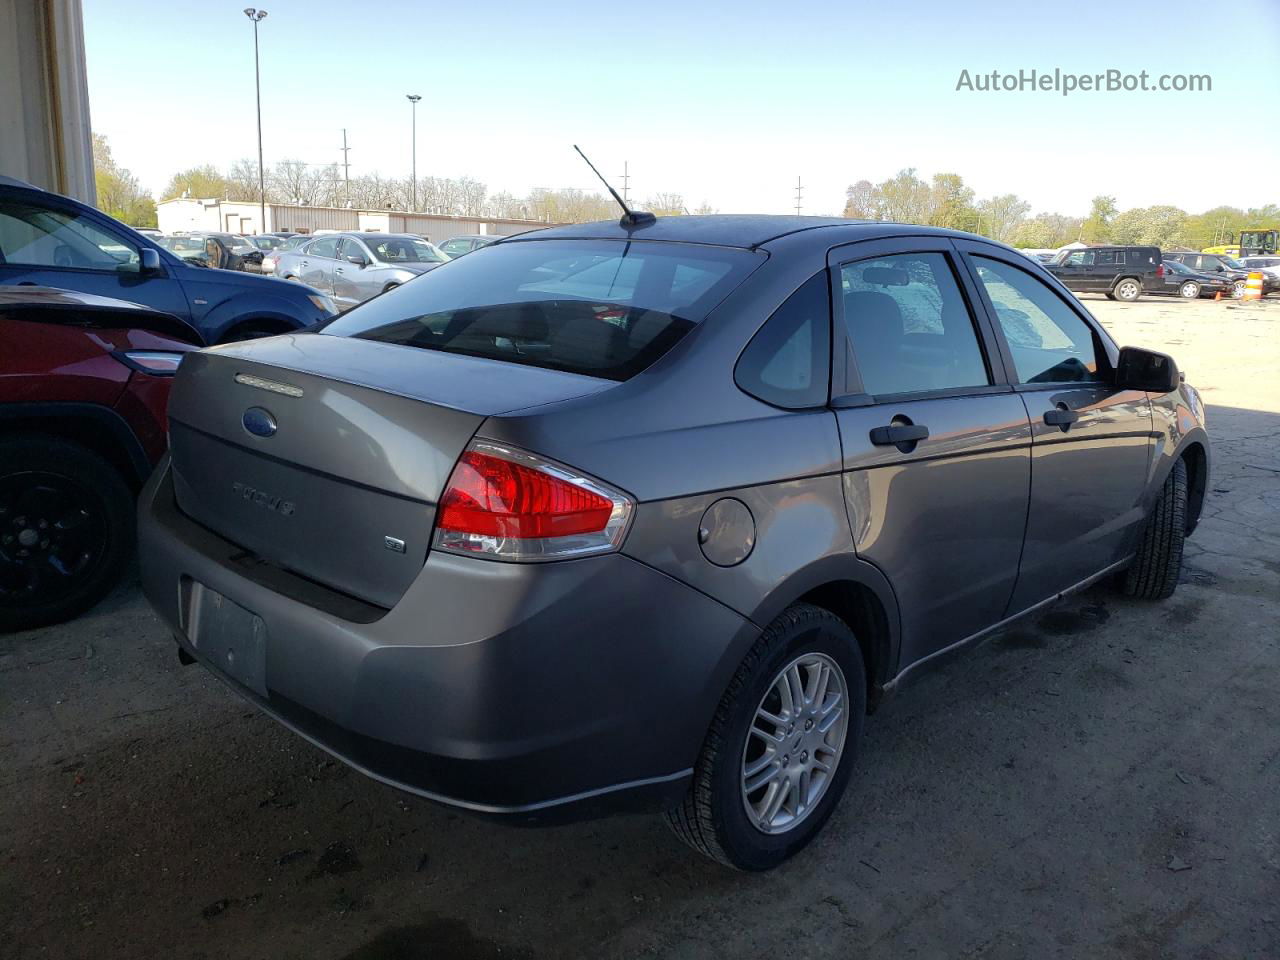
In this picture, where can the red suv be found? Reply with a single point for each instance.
(84, 383)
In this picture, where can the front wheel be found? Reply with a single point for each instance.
(1189, 290)
(782, 744)
(1128, 290)
(1238, 288)
(1153, 575)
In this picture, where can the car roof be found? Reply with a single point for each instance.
(733, 230)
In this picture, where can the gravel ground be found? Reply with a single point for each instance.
(1102, 782)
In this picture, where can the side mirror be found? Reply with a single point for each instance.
(148, 261)
(1146, 370)
(358, 260)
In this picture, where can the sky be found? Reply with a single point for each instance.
(723, 102)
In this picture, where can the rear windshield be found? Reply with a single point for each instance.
(604, 308)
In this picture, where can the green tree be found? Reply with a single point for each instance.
(1046, 231)
(1097, 226)
(903, 198)
(119, 193)
(1162, 226)
(200, 183)
(951, 203)
(1000, 216)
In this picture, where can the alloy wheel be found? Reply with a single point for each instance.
(52, 535)
(795, 743)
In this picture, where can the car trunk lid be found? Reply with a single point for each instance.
(327, 455)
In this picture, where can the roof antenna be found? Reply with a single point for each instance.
(630, 218)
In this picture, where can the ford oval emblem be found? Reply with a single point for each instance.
(259, 422)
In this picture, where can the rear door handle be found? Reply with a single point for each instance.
(899, 433)
(1062, 417)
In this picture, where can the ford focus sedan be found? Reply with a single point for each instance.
(627, 516)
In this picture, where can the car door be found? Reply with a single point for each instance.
(351, 284)
(936, 445)
(1074, 269)
(45, 242)
(1091, 443)
(315, 268)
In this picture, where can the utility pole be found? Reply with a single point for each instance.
(257, 16)
(799, 195)
(346, 168)
(413, 99)
(626, 184)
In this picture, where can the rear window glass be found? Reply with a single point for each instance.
(604, 308)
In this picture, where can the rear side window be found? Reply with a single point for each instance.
(788, 361)
(604, 308)
(1050, 343)
(910, 326)
(1108, 258)
(328, 247)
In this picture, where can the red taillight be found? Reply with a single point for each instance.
(1160, 270)
(509, 504)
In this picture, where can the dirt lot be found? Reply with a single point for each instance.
(1102, 783)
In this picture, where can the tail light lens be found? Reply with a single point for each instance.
(158, 363)
(1160, 270)
(506, 504)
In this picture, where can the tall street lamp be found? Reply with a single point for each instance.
(413, 99)
(256, 16)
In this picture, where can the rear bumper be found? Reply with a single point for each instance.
(539, 691)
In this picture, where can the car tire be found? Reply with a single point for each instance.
(1127, 289)
(1189, 290)
(86, 506)
(1153, 575)
(714, 817)
(1238, 288)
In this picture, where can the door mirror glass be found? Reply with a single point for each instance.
(1146, 370)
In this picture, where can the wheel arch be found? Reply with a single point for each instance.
(94, 427)
(860, 595)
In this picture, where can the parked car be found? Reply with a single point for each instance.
(352, 267)
(287, 243)
(1270, 268)
(1216, 263)
(613, 517)
(455, 247)
(1122, 273)
(148, 231)
(1181, 281)
(267, 242)
(50, 240)
(83, 385)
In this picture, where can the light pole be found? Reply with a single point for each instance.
(413, 99)
(256, 16)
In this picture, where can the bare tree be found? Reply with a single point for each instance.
(860, 201)
(665, 204)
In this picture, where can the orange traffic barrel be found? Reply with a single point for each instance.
(1253, 286)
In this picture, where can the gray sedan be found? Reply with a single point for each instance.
(652, 514)
(352, 267)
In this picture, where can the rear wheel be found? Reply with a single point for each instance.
(1189, 290)
(1154, 572)
(1127, 289)
(66, 530)
(782, 744)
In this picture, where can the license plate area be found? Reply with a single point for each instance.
(228, 636)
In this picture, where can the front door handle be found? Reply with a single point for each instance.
(1062, 417)
(899, 433)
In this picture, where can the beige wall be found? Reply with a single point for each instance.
(44, 98)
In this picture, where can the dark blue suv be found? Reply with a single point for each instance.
(53, 241)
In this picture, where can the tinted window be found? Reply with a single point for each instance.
(326, 247)
(1108, 257)
(606, 308)
(788, 361)
(1079, 258)
(910, 327)
(456, 247)
(1050, 343)
(352, 248)
(45, 237)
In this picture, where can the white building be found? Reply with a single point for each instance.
(238, 216)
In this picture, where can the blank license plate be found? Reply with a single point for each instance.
(229, 637)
